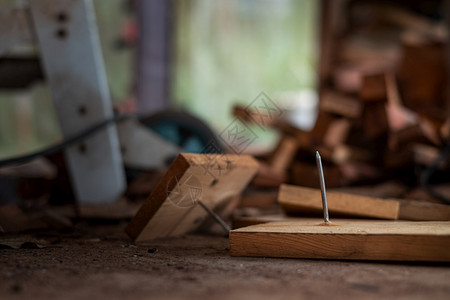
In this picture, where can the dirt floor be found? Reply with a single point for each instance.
(95, 262)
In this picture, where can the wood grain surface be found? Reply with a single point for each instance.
(297, 199)
(302, 200)
(171, 208)
(345, 239)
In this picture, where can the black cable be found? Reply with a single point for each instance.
(68, 142)
(427, 173)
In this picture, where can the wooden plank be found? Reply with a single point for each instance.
(375, 121)
(373, 88)
(337, 133)
(347, 77)
(421, 211)
(345, 239)
(340, 104)
(323, 122)
(170, 209)
(241, 113)
(303, 137)
(296, 199)
(345, 153)
(422, 59)
(254, 116)
(302, 200)
(284, 153)
(267, 177)
(409, 210)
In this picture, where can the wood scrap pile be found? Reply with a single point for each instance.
(384, 111)
(383, 119)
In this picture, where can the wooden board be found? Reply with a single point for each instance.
(344, 153)
(267, 177)
(302, 200)
(375, 121)
(345, 239)
(323, 122)
(296, 199)
(409, 210)
(337, 133)
(171, 208)
(340, 104)
(423, 211)
(282, 156)
(373, 88)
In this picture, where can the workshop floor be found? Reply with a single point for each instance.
(95, 262)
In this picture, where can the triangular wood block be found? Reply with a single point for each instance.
(345, 240)
(171, 208)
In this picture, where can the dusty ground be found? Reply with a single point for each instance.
(95, 262)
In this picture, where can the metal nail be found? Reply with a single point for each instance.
(215, 216)
(326, 217)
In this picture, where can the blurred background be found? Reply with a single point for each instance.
(365, 82)
(221, 53)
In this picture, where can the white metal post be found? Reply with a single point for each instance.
(70, 50)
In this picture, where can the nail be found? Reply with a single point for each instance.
(326, 217)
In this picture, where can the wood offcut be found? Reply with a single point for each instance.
(347, 240)
(171, 208)
(307, 201)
